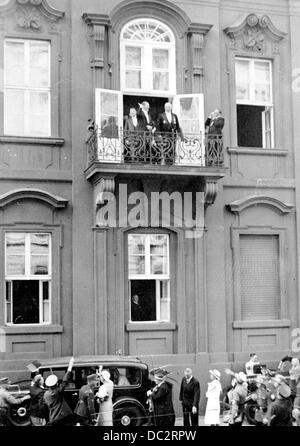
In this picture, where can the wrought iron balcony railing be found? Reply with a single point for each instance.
(133, 147)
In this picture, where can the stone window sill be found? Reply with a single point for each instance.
(150, 326)
(280, 323)
(31, 329)
(32, 140)
(257, 151)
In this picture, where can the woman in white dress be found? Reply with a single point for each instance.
(212, 413)
(105, 394)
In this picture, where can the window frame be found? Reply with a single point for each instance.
(236, 232)
(41, 278)
(158, 278)
(253, 102)
(147, 69)
(27, 88)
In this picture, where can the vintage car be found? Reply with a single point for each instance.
(129, 375)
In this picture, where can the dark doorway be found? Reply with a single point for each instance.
(156, 104)
(249, 125)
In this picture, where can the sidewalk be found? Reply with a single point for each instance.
(179, 421)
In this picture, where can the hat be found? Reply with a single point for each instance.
(51, 381)
(105, 375)
(241, 377)
(215, 373)
(93, 377)
(284, 390)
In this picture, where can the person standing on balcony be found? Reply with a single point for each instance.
(214, 127)
(147, 126)
(131, 140)
(168, 128)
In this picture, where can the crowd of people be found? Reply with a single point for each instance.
(274, 398)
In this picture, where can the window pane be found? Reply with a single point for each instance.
(242, 79)
(15, 243)
(14, 63)
(39, 243)
(15, 265)
(143, 300)
(39, 113)
(133, 79)
(136, 265)
(109, 111)
(160, 81)
(133, 56)
(8, 302)
(39, 265)
(15, 254)
(39, 64)
(158, 244)
(158, 265)
(25, 301)
(14, 112)
(160, 59)
(164, 300)
(136, 244)
(262, 81)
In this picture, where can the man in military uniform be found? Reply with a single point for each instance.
(59, 411)
(85, 409)
(7, 400)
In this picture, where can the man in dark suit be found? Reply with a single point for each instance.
(168, 128)
(190, 397)
(131, 137)
(214, 148)
(147, 126)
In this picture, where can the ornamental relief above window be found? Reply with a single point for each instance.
(33, 15)
(255, 35)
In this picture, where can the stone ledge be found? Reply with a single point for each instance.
(32, 140)
(281, 323)
(31, 329)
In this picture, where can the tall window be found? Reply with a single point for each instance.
(27, 87)
(254, 102)
(148, 58)
(259, 275)
(28, 278)
(149, 277)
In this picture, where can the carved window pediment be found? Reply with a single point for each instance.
(255, 34)
(32, 15)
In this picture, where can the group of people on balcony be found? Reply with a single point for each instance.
(154, 141)
(149, 140)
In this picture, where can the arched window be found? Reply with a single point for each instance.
(147, 58)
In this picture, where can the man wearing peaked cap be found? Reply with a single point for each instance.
(281, 412)
(59, 411)
(85, 409)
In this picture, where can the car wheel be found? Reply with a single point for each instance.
(128, 416)
(250, 410)
(18, 415)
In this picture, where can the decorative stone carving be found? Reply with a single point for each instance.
(28, 18)
(255, 34)
(210, 191)
(104, 186)
(29, 14)
(197, 33)
(97, 24)
(51, 200)
(279, 206)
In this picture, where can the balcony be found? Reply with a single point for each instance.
(117, 152)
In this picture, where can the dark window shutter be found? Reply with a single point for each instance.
(259, 276)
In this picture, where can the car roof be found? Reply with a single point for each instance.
(91, 360)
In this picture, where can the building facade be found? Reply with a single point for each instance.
(209, 294)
